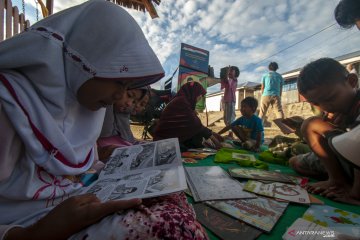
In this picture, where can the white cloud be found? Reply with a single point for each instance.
(244, 32)
(190, 7)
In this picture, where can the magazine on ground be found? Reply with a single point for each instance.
(259, 174)
(260, 212)
(141, 171)
(224, 226)
(213, 183)
(292, 193)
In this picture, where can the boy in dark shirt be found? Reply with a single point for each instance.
(325, 83)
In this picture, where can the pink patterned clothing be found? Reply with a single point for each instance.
(167, 217)
(230, 87)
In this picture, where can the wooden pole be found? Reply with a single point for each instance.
(50, 6)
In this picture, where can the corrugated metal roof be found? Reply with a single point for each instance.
(346, 58)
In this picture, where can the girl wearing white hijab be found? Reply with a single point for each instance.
(56, 79)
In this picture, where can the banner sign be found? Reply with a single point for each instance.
(194, 64)
(194, 58)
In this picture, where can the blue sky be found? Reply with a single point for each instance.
(244, 32)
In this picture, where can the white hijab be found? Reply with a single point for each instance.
(48, 63)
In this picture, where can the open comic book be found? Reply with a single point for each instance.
(141, 171)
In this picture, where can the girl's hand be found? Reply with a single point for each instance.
(71, 216)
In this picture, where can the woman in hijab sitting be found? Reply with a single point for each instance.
(179, 119)
(56, 79)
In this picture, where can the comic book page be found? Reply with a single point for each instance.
(137, 158)
(141, 171)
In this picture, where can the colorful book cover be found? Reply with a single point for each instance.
(260, 212)
(299, 180)
(336, 219)
(315, 200)
(259, 174)
(195, 155)
(292, 193)
(302, 229)
(222, 225)
(189, 160)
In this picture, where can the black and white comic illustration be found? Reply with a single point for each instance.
(166, 153)
(131, 173)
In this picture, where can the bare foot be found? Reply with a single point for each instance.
(309, 173)
(323, 186)
(350, 197)
(296, 164)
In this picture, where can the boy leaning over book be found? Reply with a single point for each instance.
(325, 83)
(248, 128)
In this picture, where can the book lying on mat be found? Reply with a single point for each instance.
(289, 125)
(288, 192)
(141, 171)
(299, 180)
(336, 219)
(259, 174)
(196, 155)
(213, 183)
(302, 229)
(222, 225)
(202, 150)
(260, 212)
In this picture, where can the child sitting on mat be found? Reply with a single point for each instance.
(248, 128)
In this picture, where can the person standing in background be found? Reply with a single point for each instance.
(271, 88)
(229, 83)
(351, 68)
